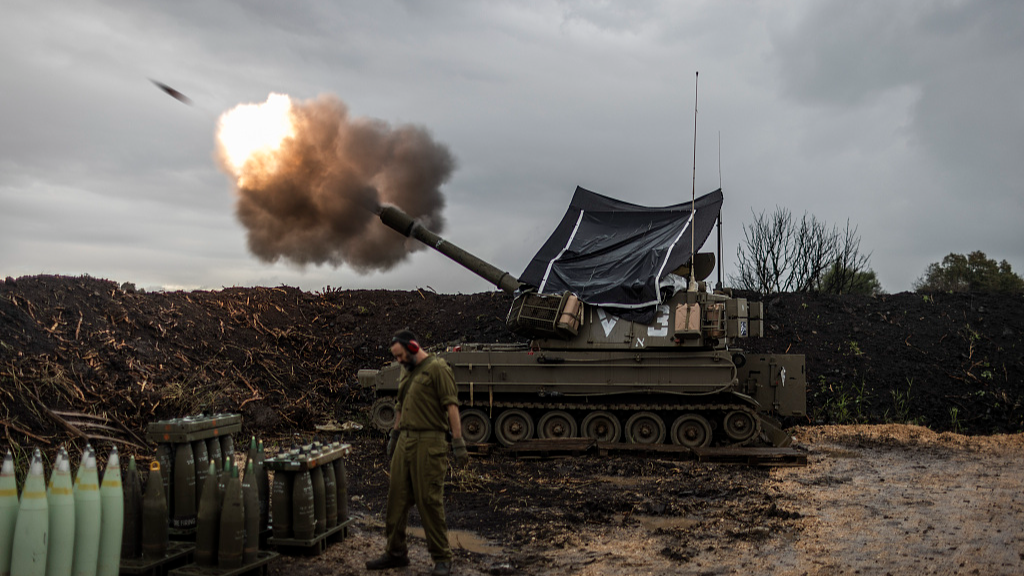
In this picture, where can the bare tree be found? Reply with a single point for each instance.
(781, 254)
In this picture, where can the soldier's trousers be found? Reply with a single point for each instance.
(417, 477)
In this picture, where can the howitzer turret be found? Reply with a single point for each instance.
(662, 367)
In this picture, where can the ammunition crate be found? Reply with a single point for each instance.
(192, 428)
(738, 328)
(757, 328)
(545, 315)
(299, 461)
(736, 308)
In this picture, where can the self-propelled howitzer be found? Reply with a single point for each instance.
(676, 375)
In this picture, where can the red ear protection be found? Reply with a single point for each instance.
(412, 346)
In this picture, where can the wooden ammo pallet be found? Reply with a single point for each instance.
(257, 568)
(553, 447)
(773, 457)
(566, 447)
(313, 546)
(574, 447)
(178, 554)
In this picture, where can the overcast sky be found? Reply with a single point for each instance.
(907, 118)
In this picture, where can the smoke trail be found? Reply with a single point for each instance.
(312, 196)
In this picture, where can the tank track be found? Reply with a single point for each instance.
(383, 405)
(701, 409)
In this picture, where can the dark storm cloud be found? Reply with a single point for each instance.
(962, 60)
(904, 117)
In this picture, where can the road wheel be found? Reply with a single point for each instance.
(382, 413)
(645, 428)
(556, 424)
(512, 426)
(740, 425)
(476, 426)
(602, 426)
(692, 431)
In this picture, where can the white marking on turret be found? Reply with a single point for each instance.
(607, 322)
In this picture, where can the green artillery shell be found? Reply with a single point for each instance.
(222, 481)
(251, 455)
(232, 525)
(330, 495)
(87, 517)
(263, 484)
(251, 500)
(31, 531)
(341, 478)
(227, 448)
(8, 512)
(282, 502)
(165, 456)
(213, 451)
(202, 462)
(154, 515)
(316, 475)
(208, 523)
(303, 514)
(131, 536)
(61, 503)
(184, 488)
(111, 518)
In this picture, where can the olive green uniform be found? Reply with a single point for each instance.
(421, 457)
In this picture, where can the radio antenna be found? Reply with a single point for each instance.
(719, 263)
(691, 285)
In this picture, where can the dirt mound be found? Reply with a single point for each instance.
(84, 356)
(952, 362)
(81, 356)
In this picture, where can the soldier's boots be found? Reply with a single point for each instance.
(386, 561)
(442, 569)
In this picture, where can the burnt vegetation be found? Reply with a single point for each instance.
(87, 358)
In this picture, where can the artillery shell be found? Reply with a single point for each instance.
(87, 517)
(31, 532)
(154, 515)
(8, 512)
(330, 495)
(222, 481)
(227, 448)
(165, 456)
(303, 514)
(232, 525)
(61, 502)
(316, 475)
(251, 500)
(341, 478)
(111, 518)
(184, 488)
(202, 462)
(208, 523)
(282, 502)
(213, 451)
(263, 484)
(131, 536)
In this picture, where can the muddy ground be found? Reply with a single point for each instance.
(82, 358)
(874, 499)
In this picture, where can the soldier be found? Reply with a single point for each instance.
(427, 407)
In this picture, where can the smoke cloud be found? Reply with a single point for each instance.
(313, 199)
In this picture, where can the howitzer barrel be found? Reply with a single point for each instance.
(404, 224)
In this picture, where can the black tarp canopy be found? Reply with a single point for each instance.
(614, 254)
